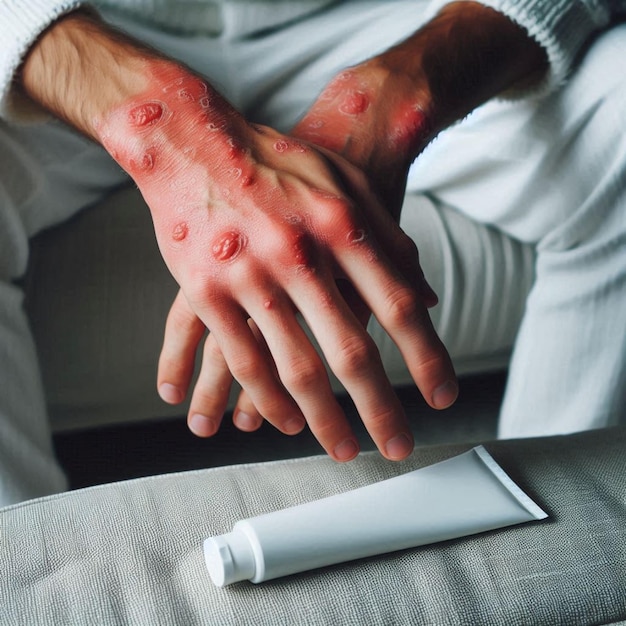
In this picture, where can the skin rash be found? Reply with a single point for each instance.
(249, 220)
(153, 136)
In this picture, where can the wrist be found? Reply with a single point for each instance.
(80, 67)
(374, 116)
(146, 110)
(382, 113)
(466, 55)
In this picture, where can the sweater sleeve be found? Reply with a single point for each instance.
(21, 23)
(561, 27)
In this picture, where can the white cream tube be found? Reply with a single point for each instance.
(464, 495)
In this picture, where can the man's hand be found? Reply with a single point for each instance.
(379, 116)
(253, 225)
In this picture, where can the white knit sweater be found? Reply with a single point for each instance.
(561, 26)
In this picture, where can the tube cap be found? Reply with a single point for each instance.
(229, 558)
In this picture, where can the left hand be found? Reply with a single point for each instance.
(184, 331)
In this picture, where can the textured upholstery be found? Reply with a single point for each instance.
(131, 553)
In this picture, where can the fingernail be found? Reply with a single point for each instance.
(246, 422)
(399, 447)
(170, 393)
(445, 395)
(293, 426)
(346, 450)
(202, 425)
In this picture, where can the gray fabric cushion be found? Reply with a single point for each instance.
(131, 553)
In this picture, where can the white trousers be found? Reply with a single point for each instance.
(521, 223)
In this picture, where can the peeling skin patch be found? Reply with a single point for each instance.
(227, 246)
(234, 149)
(146, 114)
(357, 235)
(216, 127)
(180, 231)
(147, 163)
(281, 146)
(184, 95)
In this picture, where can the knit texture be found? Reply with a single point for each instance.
(561, 27)
(21, 23)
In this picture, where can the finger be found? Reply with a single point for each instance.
(183, 332)
(302, 372)
(401, 311)
(245, 415)
(354, 358)
(354, 301)
(252, 368)
(400, 249)
(211, 391)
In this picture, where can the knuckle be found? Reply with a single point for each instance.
(432, 363)
(212, 352)
(402, 307)
(302, 376)
(181, 318)
(247, 368)
(380, 420)
(354, 356)
(335, 210)
(199, 293)
(327, 430)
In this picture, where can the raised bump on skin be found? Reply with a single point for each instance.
(146, 114)
(180, 231)
(355, 103)
(234, 149)
(246, 180)
(145, 163)
(228, 245)
(281, 145)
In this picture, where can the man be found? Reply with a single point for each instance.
(257, 223)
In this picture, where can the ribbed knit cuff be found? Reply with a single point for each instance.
(21, 22)
(561, 27)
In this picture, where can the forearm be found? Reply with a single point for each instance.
(465, 56)
(82, 70)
